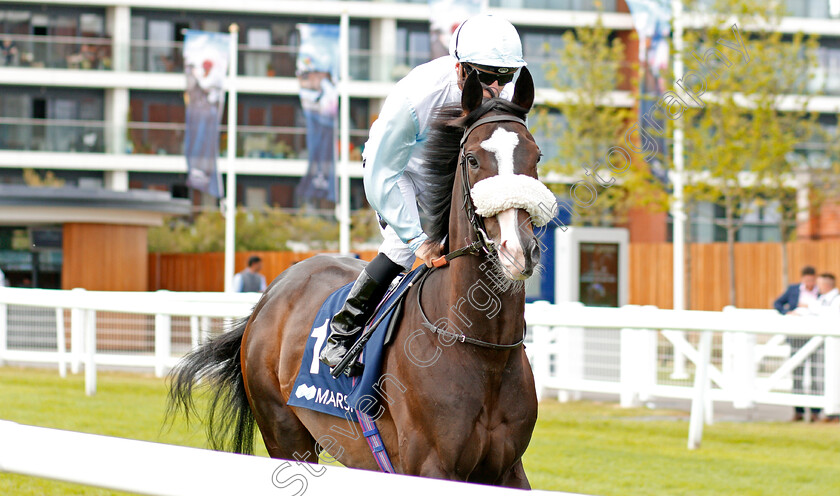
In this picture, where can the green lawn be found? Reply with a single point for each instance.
(584, 447)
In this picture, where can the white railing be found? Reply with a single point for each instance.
(738, 356)
(123, 329)
(166, 470)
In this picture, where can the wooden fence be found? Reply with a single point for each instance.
(758, 272)
(205, 271)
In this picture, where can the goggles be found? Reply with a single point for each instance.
(489, 74)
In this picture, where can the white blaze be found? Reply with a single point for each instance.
(510, 249)
(502, 143)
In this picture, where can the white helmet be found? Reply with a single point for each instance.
(488, 40)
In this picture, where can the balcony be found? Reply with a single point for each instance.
(579, 5)
(154, 138)
(52, 135)
(56, 52)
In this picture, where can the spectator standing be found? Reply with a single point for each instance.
(796, 300)
(9, 52)
(799, 295)
(250, 280)
(827, 304)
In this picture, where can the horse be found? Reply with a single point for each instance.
(459, 396)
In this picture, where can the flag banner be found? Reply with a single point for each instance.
(317, 73)
(206, 65)
(652, 19)
(444, 18)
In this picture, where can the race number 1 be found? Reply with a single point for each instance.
(320, 334)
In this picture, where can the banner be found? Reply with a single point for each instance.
(444, 18)
(206, 65)
(317, 73)
(652, 19)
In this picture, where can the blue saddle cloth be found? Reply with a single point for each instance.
(314, 387)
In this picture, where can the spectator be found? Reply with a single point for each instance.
(9, 52)
(827, 303)
(250, 280)
(799, 295)
(795, 301)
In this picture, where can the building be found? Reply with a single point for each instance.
(92, 90)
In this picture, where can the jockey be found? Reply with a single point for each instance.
(394, 176)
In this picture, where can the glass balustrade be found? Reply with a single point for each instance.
(155, 138)
(152, 138)
(581, 5)
(56, 52)
(52, 135)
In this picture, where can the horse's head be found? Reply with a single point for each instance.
(498, 175)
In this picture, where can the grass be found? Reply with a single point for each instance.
(584, 447)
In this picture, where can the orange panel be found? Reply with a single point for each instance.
(105, 257)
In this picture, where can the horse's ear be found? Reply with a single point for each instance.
(523, 91)
(473, 93)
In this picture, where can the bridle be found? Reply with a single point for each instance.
(483, 245)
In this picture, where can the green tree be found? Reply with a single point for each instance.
(259, 230)
(739, 144)
(586, 121)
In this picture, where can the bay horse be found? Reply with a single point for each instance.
(461, 403)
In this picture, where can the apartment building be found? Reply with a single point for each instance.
(92, 90)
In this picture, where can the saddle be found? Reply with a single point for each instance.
(333, 392)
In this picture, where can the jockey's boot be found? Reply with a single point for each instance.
(370, 287)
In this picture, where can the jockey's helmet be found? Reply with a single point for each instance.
(487, 40)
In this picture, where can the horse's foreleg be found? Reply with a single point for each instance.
(515, 477)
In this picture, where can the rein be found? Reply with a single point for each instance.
(483, 245)
(463, 338)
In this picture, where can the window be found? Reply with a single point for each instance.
(55, 119)
(413, 47)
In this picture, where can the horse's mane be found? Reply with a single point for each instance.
(441, 156)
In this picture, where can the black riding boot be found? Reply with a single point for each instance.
(365, 294)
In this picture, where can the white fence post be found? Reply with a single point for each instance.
(4, 332)
(77, 334)
(195, 336)
(90, 352)
(163, 343)
(701, 386)
(204, 329)
(679, 362)
(61, 342)
(540, 365)
(832, 376)
(629, 359)
(569, 361)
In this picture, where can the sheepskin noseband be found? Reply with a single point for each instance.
(496, 194)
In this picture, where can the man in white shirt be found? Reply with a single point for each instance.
(828, 303)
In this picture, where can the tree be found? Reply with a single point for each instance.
(740, 142)
(586, 122)
(259, 230)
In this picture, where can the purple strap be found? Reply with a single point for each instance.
(377, 447)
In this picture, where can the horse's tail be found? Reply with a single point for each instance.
(216, 365)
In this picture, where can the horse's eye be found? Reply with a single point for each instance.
(473, 163)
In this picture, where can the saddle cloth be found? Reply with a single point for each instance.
(314, 387)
